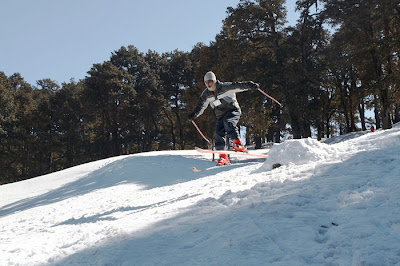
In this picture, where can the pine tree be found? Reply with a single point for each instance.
(107, 93)
(17, 143)
(177, 76)
(371, 28)
(146, 106)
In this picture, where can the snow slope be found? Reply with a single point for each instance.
(328, 204)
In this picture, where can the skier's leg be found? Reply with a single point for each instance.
(231, 121)
(219, 135)
(219, 139)
(230, 124)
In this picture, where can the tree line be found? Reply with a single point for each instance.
(340, 59)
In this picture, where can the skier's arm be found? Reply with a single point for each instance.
(240, 86)
(202, 105)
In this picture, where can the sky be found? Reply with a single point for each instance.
(62, 40)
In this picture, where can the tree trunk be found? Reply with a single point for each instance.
(386, 122)
(320, 133)
(171, 130)
(277, 136)
(328, 128)
(180, 128)
(306, 130)
(343, 102)
(353, 126)
(361, 110)
(397, 114)
(295, 123)
(258, 142)
(376, 112)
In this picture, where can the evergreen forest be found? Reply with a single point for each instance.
(340, 60)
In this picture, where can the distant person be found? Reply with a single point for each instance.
(372, 128)
(221, 96)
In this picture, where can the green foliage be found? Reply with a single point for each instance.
(368, 31)
(108, 93)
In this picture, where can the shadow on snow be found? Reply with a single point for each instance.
(145, 171)
(283, 225)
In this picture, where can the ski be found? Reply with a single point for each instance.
(209, 168)
(220, 166)
(232, 152)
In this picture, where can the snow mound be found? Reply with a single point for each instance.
(298, 152)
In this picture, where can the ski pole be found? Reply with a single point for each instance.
(270, 97)
(198, 129)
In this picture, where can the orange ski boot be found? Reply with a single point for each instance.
(223, 159)
(238, 146)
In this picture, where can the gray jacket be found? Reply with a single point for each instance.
(223, 100)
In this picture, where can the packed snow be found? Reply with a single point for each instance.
(335, 203)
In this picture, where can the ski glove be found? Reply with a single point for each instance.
(254, 85)
(191, 117)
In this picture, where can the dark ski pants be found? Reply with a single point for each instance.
(226, 125)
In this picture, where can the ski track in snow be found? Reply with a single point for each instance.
(328, 204)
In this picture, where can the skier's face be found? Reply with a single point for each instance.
(209, 83)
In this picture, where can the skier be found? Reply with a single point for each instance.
(221, 96)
